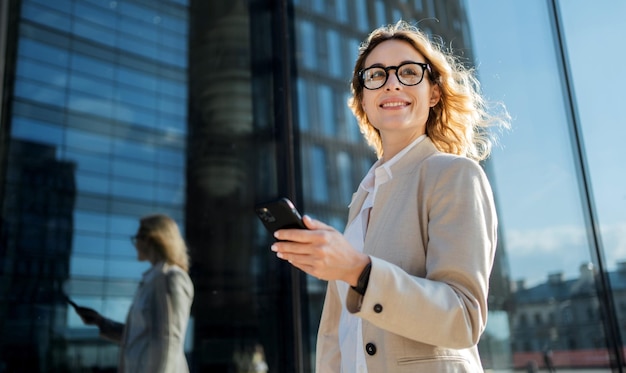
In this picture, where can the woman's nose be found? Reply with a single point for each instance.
(392, 81)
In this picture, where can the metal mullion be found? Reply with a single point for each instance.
(605, 296)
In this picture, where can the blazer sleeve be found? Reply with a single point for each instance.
(168, 319)
(446, 306)
(112, 330)
(327, 355)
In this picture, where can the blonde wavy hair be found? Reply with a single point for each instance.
(458, 123)
(165, 240)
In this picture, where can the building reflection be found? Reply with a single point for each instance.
(37, 224)
(222, 184)
(561, 318)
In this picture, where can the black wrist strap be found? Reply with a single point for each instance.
(364, 278)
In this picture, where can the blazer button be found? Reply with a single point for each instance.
(378, 308)
(370, 348)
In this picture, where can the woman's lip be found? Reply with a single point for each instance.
(394, 104)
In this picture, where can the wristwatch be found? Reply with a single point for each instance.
(364, 278)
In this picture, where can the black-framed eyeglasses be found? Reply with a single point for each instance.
(408, 73)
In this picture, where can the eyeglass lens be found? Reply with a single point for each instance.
(411, 73)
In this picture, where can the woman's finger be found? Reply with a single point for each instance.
(314, 224)
(303, 235)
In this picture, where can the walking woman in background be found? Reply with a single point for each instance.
(153, 336)
(409, 277)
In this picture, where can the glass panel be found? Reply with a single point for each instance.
(345, 176)
(76, 179)
(304, 116)
(43, 94)
(327, 118)
(45, 16)
(335, 55)
(242, 291)
(602, 126)
(552, 313)
(94, 32)
(43, 52)
(317, 164)
(308, 44)
(41, 132)
(42, 73)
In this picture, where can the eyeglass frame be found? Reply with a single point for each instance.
(134, 238)
(424, 66)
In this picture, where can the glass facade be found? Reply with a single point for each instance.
(555, 177)
(199, 109)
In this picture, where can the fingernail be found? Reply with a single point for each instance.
(274, 248)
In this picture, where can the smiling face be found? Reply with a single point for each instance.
(399, 112)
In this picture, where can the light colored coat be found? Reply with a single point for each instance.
(152, 340)
(432, 239)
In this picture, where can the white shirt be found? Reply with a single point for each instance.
(350, 326)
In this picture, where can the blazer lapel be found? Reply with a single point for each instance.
(383, 205)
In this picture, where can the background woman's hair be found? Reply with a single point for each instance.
(459, 123)
(165, 239)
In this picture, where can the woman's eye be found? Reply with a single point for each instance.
(377, 74)
(408, 71)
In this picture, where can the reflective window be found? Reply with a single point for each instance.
(327, 119)
(335, 55)
(590, 36)
(308, 46)
(361, 18)
(42, 73)
(46, 16)
(536, 177)
(318, 177)
(43, 52)
(380, 11)
(95, 133)
(24, 128)
(346, 180)
(40, 93)
(304, 102)
(341, 10)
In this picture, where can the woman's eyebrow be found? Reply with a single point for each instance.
(378, 64)
(374, 65)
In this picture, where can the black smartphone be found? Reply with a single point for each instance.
(279, 214)
(70, 302)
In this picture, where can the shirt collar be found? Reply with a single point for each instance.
(150, 272)
(381, 173)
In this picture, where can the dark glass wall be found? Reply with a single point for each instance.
(199, 109)
(238, 144)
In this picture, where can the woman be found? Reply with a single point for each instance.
(408, 279)
(152, 338)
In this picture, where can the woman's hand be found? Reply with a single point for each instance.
(320, 251)
(89, 316)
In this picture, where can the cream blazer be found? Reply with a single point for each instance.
(152, 339)
(432, 239)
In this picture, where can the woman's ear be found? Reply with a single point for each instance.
(435, 95)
